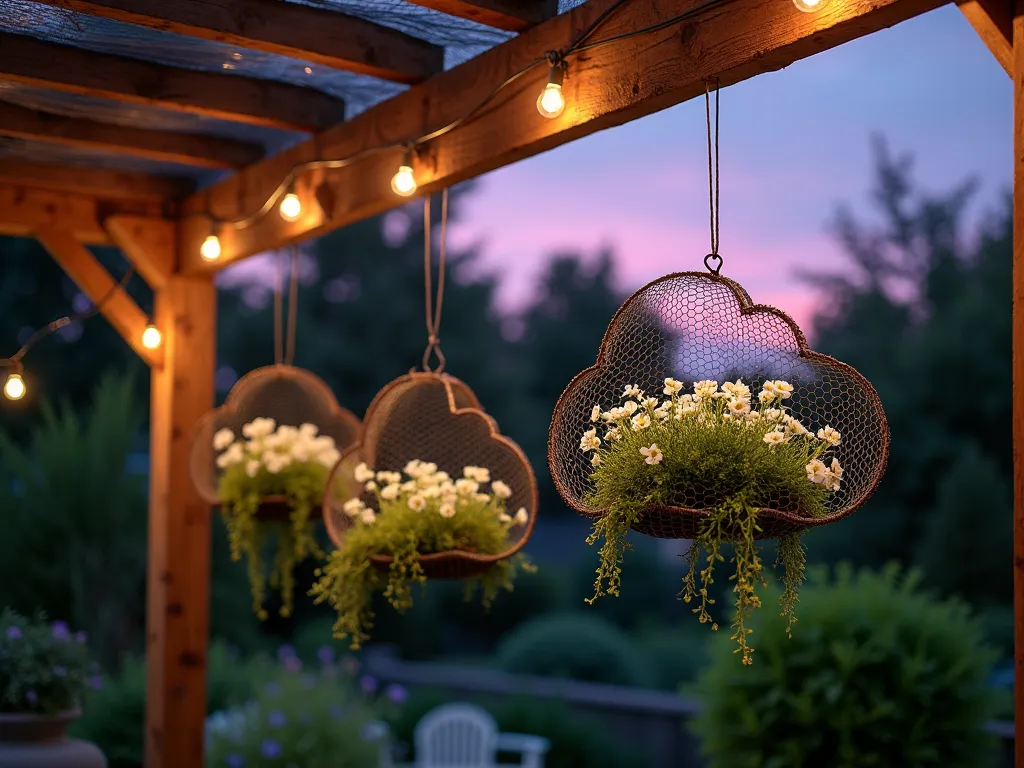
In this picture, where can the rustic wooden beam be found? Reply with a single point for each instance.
(316, 35)
(24, 209)
(96, 283)
(605, 86)
(993, 21)
(178, 567)
(511, 15)
(148, 243)
(164, 146)
(110, 184)
(228, 97)
(1017, 367)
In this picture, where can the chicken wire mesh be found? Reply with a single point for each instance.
(290, 396)
(693, 326)
(433, 417)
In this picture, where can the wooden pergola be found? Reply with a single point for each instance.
(160, 222)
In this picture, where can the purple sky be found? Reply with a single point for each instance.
(794, 144)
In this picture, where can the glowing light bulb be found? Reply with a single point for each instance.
(15, 387)
(210, 249)
(809, 6)
(291, 207)
(551, 101)
(404, 181)
(151, 337)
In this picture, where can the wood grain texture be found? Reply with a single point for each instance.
(178, 573)
(115, 185)
(604, 87)
(228, 97)
(149, 244)
(1017, 366)
(510, 15)
(163, 146)
(24, 209)
(993, 21)
(316, 35)
(96, 283)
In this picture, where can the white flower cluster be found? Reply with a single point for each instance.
(424, 488)
(709, 406)
(266, 446)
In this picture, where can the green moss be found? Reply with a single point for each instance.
(348, 581)
(302, 485)
(710, 460)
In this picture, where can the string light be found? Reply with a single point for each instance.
(404, 181)
(14, 387)
(810, 6)
(291, 206)
(210, 249)
(151, 337)
(551, 101)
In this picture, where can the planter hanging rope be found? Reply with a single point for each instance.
(708, 417)
(264, 455)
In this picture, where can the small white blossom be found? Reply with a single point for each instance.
(663, 411)
(641, 421)
(795, 427)
(329, 458)
(412, 469)
(505, 517)
(672, 387)
(783, 388)
(480, 474)
(235, 454)
(259, 428)
(447, 510)
(596, 460)
(427, 468)
(630, 407)
(737, 389)
(308, 430)
(706, 388)
(252, 467)
(652, 455)
(417, 503)
(389, 492)
(816, 471)
(501, 490)
(222, 439)
(595, 414)
(829, 435)
(612, 434)
(521, 516)
(363, 474)
(632, 390)
(737, 407)
(389, 478)
(353, 507)
(774, 438)
(371, 487)
(590, 441)
(482, 498)
(409, 486)
(773, 414)
(466, 487)
(368, 516)
(650, 403)
(834, 476)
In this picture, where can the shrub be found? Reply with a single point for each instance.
(877, 673)
(675, 654)
(574, 646)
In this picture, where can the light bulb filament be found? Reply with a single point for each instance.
(551, 101)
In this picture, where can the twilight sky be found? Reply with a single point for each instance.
(794, 144)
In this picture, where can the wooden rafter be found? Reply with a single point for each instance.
(1017, 369)
(230, 97)
(164, 146)
(511, 15)
(316, 35)
(23, 210)
(114, 185)
(96, 283)
(147, 243)
(993, 21)
(607, 86)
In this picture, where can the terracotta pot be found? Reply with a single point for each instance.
(41, 741)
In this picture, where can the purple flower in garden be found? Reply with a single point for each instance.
(61, 631)
(32, 697)
(81, 638)
(336, 712)
(293, 664)
(285, 652)
(270, 748)
(397, 693)
(273, 689)
(96, 682)
(234, 760)
(277, 719)
(368, 684)
(325, 654)
(13, 633)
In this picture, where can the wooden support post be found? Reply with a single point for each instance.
(1018, 380)
(178, 594)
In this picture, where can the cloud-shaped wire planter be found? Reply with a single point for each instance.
(289, 395)
(433, 417)
(693, 326)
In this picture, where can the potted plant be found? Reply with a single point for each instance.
(725, 454)
(272, 478)
(45, 673)
(417, 520)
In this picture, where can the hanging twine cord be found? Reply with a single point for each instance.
(433, 308)
(284, 350)
(713, 261)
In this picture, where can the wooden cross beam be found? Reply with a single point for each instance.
(112, 185)
(604, 87)
(993, 21)
(511, 15)
(164, 146)
(316, 35)
(71, 69)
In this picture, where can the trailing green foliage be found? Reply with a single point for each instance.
(44, 670)
(880, 674)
